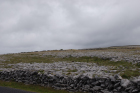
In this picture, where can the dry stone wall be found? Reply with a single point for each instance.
(114, 84)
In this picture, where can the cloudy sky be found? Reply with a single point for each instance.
(31, 25)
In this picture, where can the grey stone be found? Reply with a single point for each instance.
(112, 78)
(110, 87)
(97, 88)
(105, 91)
(117, 76)
(87, 86)
(135, 90)
(125, 82)
(117, 85)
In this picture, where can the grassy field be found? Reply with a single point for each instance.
(32, 88)
(126, 69)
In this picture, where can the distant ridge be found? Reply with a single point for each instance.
(101, 48)
(127, 46)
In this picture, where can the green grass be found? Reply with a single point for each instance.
(31, 58)
(28, 59)
(41, 71)
(32, 88)
(138, 65)
(74, 70)
(129, 73)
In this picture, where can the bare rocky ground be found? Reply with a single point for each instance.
(90, 69)
(129, 54)
(121, 56)
(64, 68)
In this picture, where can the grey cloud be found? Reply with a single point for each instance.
(52, 24)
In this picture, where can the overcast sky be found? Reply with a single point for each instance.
(34, 25)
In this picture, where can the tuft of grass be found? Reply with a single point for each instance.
(6, 66)
(74, 70)
(138, 65)
(129, 73)
(68, 73)
(41, 71)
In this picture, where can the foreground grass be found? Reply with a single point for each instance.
(32, 88)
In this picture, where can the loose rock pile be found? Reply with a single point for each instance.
(114, 84)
